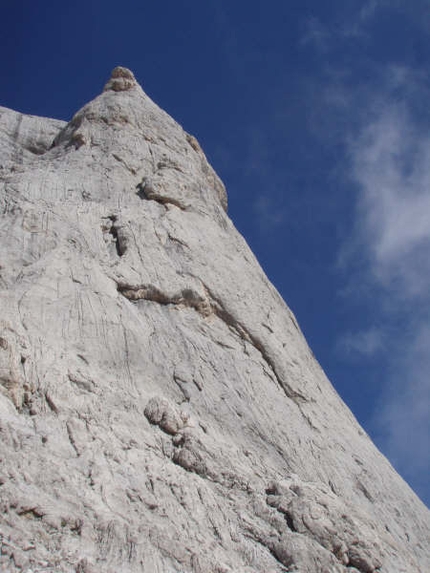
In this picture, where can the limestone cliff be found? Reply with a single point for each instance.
(160, 410)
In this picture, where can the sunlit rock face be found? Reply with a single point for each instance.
(160, 410)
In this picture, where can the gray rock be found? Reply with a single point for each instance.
(160, 409)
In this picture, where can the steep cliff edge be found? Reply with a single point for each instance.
(160, 410)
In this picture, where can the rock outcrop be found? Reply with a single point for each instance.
(160, 410)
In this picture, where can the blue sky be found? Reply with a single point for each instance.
(316, 115)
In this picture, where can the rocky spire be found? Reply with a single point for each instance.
(160, 409)
(121, 80)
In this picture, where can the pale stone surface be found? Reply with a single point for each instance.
(160, 410)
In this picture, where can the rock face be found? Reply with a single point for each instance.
(160, 410)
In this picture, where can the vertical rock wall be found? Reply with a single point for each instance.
(160, 410)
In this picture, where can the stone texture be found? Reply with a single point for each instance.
(160, 410)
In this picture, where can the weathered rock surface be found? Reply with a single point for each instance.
(160, 410)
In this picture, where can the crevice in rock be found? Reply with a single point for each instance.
(178, 241)
(281, 556)
(81, 381)
(186, 298)
(72, 439)
(114, 232)
(271, 545)
(289, 521)
(164, 200)
(183, 387)
(311, 424)
(147, 191)
(169, 164)
(364, 491)
(52, 405)
(121, 160)
(226, 317)
(31, 513)
(112, 229)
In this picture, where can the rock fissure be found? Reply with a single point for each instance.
(178, 241)
(72, 439)
(186, 298)
(123, 162)
(146, 190)
(244, 333)
(290, 522)
(116, 236)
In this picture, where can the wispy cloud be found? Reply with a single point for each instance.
(364, 343)
(355, 22)
(382, 121)
(390, 164)
(350, 24)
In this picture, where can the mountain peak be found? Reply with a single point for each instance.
(121, 79)
(160, 409)
(123, 132)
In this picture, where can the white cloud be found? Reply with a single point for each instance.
(365, 343)
(391, 164)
